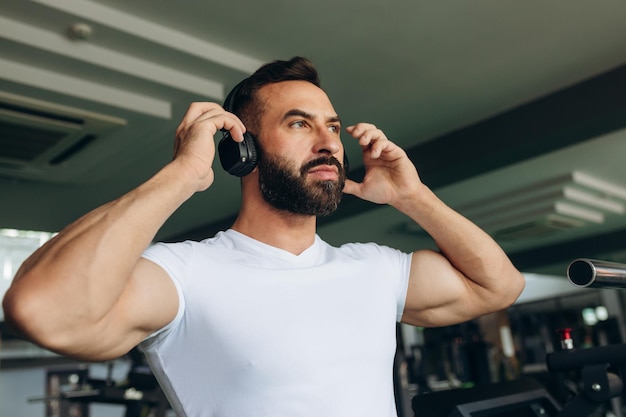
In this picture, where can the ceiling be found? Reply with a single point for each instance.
(504, 106)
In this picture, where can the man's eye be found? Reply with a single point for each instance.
(298, 124)
(333, 128)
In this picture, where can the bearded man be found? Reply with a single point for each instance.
(265, 318)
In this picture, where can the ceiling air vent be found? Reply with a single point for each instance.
(554, 205)
(548, 225)
(37, 136)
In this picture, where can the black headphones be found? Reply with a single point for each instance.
(240, 158)
(237, 158)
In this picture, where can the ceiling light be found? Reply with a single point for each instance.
(79, 31)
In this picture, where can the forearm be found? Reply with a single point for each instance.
(79, 275)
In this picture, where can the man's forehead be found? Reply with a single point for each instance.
(288, 86)
(282, 97)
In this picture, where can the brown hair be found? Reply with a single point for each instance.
(243, 100)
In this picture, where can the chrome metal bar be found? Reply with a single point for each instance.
(591, 273)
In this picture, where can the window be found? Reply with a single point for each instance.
(15, 247)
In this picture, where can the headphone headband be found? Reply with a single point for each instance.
(231, 99)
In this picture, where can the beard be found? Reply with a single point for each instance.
(284, 188)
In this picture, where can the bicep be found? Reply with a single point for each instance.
(438, 294)
(153, 298)
(148, 303)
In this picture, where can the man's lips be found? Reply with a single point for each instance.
(325, 172)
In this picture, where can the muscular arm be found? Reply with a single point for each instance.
(87, 293)
(470, 275)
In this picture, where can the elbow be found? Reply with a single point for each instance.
(518, 285)
(28, 317)
(511, 289)
(15, 315)
(32, 316)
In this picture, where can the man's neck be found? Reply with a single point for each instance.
(291, 232)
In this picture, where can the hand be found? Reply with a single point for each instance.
(195, 147)
(390, 176)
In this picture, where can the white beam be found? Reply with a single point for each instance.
(542, 287)
(59, 83)
(153, 32)
(106, 58)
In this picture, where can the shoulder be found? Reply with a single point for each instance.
(368, 249)
(369, 253)
(186, 249)
(170, 249)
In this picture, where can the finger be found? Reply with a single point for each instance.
(378, 146)
(194, 111)
(201, 112)
(374, 141)
(222, 120)
(235, 128)
(198, 108)
(365, 132)
(359, 128)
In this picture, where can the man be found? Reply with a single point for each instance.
(264, 319)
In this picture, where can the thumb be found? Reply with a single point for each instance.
(352, 187)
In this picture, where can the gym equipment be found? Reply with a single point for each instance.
(599, 370)
(520, 398)
(70, 390)
(592, 273)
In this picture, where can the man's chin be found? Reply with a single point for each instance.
(329, 206)
(328, 185)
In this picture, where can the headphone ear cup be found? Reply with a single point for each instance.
(238, 158)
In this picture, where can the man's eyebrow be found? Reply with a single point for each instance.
(310, 116)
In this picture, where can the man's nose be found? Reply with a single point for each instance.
(328, 143)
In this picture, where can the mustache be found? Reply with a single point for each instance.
(322, 160)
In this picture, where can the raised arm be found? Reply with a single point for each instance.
(470, 275)
(87, 293)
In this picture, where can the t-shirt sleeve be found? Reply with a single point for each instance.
(402, 261)
(395, 263)
(173, 258)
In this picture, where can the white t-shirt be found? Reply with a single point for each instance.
(265, 333)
